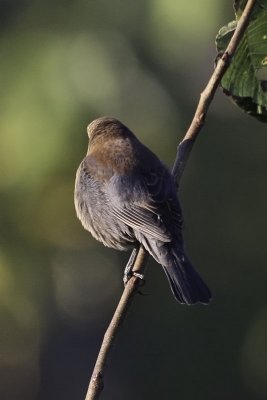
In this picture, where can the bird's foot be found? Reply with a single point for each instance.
(140, 276)
(127, 277)
(128, 269)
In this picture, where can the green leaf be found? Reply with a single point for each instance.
(246, 78)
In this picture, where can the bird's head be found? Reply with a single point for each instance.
(106, 127)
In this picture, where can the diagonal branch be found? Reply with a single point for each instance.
(183, 151)
(206, 97)
(96, 384)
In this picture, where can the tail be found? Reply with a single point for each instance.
(186, 284)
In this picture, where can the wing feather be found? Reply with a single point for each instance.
(154, 211)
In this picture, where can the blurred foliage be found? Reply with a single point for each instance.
(63, 64)
(246, 78)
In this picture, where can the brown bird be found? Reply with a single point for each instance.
(124, 196)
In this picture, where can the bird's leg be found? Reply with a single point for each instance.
(128, 269)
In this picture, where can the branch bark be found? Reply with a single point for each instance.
(206, 97)
(96, 384)
(183, 151)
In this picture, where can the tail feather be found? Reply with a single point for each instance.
(186, 284)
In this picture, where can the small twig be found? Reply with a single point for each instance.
(206, 97)
(97, 383)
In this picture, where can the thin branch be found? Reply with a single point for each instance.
(206, 97)
(97, 382)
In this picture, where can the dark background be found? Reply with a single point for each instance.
(63, 64)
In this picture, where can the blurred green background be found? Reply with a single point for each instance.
(145, 62)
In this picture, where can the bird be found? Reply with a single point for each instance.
(126, 197)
